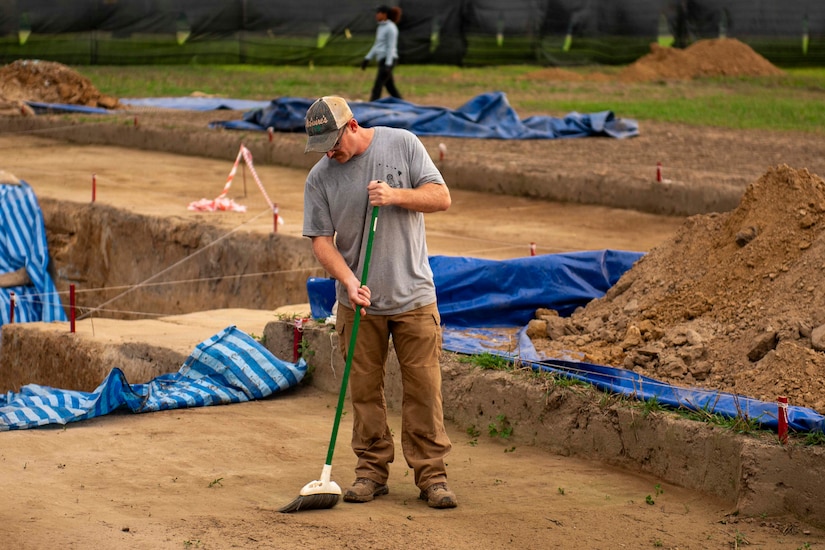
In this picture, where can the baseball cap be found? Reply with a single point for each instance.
(324, 119)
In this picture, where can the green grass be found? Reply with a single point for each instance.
(488, 361)
(794, 101)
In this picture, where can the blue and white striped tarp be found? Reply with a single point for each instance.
(23, 244)
(229, 367)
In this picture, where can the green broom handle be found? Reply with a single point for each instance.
(351, 348)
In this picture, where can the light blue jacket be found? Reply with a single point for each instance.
(385, 46)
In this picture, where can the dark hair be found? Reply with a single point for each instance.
(393, 14)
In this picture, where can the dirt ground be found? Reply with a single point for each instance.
(158, 184)
(215, 477)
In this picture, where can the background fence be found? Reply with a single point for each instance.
(453, 32)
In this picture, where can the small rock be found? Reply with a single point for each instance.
(594, 326)
(632, 338)
(818, 338)
(761, 345)
(536, 328)
(643, 360)
(555, 328)
(700, 370)
(746, 235)
(543, 312)
(673, 367)
(693, 337)
(806, 221)
(631, 307)
(649, 330)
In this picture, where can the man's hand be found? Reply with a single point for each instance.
(359, 296)
(380, 193)
(427, 197)
(364, 64)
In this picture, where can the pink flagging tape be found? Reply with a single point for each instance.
(221, 204)
(247, 157)
(224, 203)
(232, 173)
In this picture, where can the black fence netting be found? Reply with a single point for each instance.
(455, 32)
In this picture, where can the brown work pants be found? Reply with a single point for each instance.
(416, 337)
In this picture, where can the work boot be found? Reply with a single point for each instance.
(364, 490)
(438, 495)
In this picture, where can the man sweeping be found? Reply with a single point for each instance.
(388, 168)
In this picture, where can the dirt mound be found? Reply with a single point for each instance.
(732, 303)
(47, 82)
(718, 57)
(704, 58)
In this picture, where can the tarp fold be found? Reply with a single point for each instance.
(487, 116)
(229, 367)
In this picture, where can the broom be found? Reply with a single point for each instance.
(323, 493)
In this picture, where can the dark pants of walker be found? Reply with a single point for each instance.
(384, 79)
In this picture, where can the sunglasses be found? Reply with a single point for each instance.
(338, 141)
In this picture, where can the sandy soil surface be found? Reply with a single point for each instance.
(158, 184)
(215, 477)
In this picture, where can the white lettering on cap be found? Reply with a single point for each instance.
(319, 121)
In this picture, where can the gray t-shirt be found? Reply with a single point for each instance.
(336, 203)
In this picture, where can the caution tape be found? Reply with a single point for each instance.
(247, 157)
(232, 173)
(219, 204)
(222, 203)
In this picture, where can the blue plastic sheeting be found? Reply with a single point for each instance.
(515, 345)
(194, 103)
(621, 381)
(184, 103)
(473, 292)
(47, 108)
(503, 341)
(321, 292)
(23, 245)
(229, 367)
(486, 304)
(485, 116)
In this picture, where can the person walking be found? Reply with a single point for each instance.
(385, 51)
(389, 168)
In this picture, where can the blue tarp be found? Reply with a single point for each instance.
(473, 292)
(631, 384)
(486, 304)
(229, 367)
(487, 115)
(23, 245)
(194, 103)
(41, 108)
(184, 103)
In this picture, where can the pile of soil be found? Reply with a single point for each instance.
(733, 302)
(47, 82)
(704, 58)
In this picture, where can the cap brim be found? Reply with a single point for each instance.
(322, 142)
